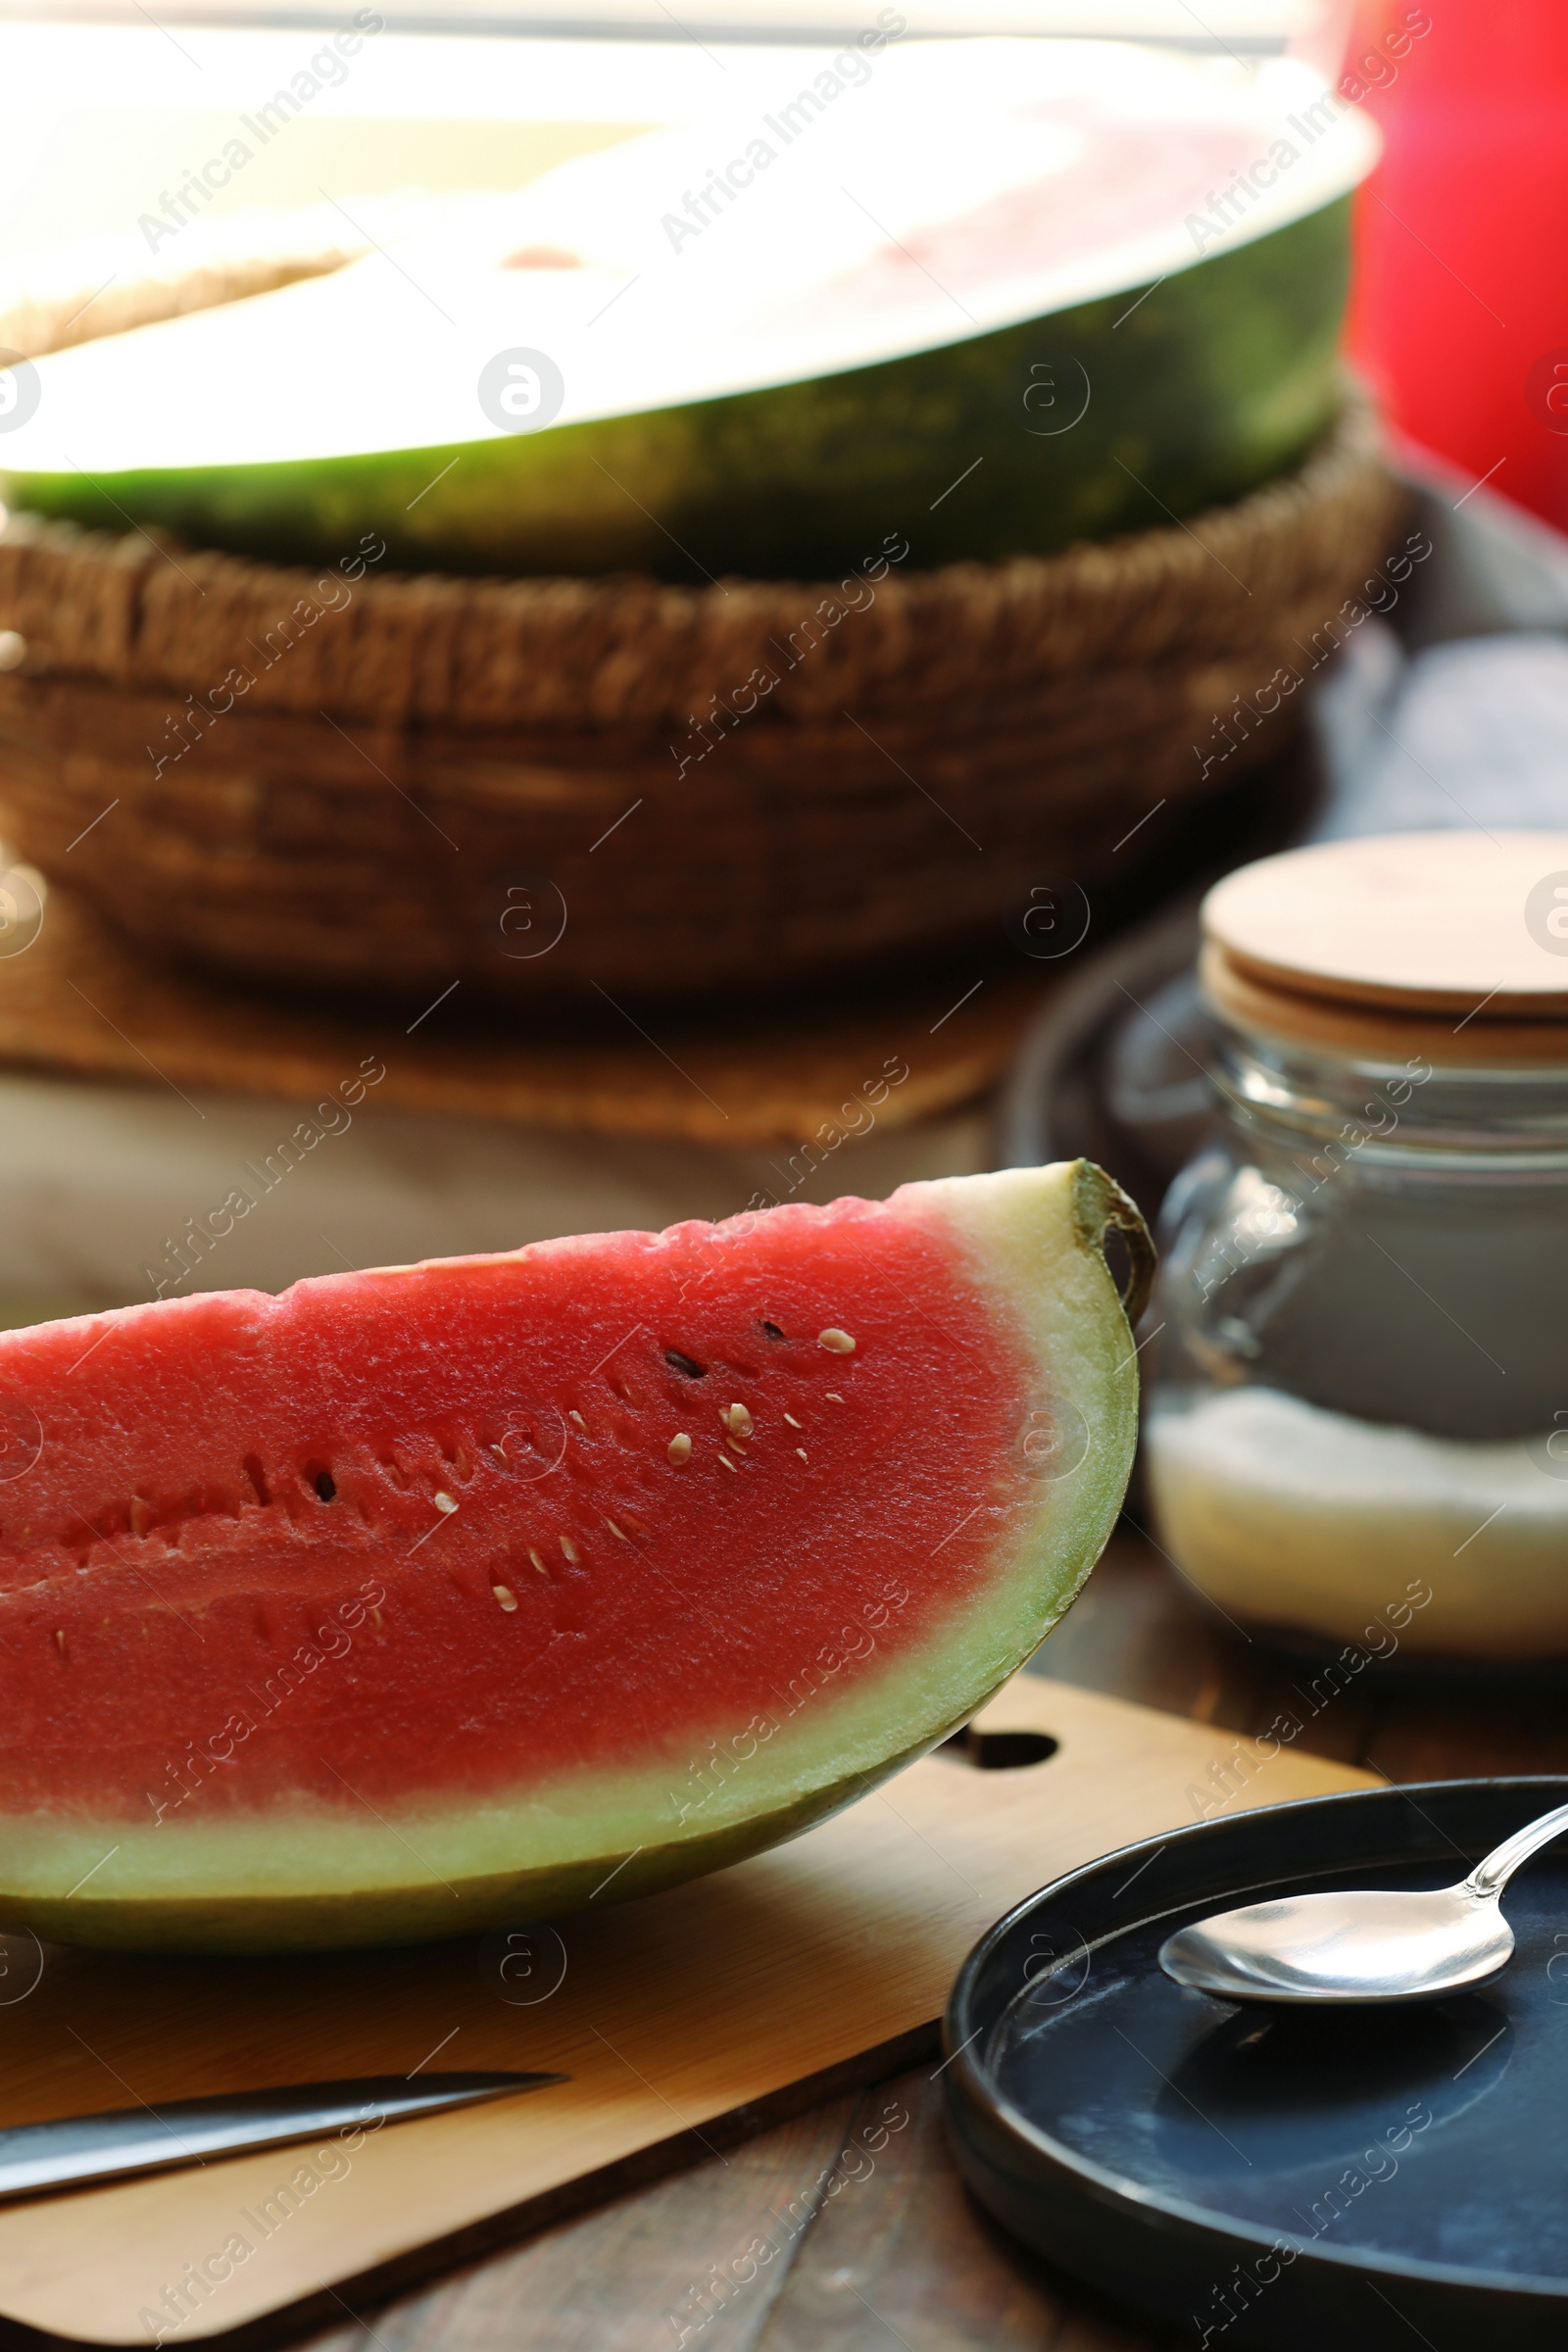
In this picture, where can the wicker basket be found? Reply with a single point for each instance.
(579, 784)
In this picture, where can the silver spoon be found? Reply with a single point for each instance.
(1367, 1944)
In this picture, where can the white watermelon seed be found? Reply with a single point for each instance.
(569, 1549)
(836, 1342)
(679, 1448)
(537, 1561)
(615, 1530)
(141, 1516)
(801, 1450)
(574, 1415)
(504, 1594)
(790, 1418)
(833, 1397)
(728, 1464)
(444, 1502)
(737, 1420)
(61, 1638)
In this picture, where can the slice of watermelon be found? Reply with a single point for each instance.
(898, 309)
(416, 1601)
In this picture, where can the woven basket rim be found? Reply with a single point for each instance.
(1352, 442)
(145, 610)
(626, 652)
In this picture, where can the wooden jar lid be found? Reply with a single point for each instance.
(1452, 944)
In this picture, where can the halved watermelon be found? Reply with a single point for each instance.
(954, 299)
(416, 1601)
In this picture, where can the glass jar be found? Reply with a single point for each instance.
(1356, 1431)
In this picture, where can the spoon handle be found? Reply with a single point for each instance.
(1491, 1877)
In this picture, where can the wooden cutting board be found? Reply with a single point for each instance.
(672, 2012)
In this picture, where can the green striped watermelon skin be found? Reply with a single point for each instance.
(1217, 380)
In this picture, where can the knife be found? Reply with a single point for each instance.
(76, 2150)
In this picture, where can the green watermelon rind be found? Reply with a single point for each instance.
(1031, 1242)
(1217, 380)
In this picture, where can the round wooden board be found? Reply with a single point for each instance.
(1460, 922)
(79, 1001)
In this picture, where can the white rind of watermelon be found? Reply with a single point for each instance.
(1012, 1262)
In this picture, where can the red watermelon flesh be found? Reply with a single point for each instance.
(418, 1599)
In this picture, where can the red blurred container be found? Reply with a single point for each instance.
(1459, 315)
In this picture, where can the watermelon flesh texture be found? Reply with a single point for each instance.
(394, 1606)
(940, 279)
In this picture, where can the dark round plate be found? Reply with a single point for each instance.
(1277, 2178)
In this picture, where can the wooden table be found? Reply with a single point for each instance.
(886, 2250)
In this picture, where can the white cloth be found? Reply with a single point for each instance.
(1472, 734)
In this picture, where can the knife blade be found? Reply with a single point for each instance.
(78, 2150)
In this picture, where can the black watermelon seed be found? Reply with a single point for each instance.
(325, 1485)
(684, 1363)
(772, 1329)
